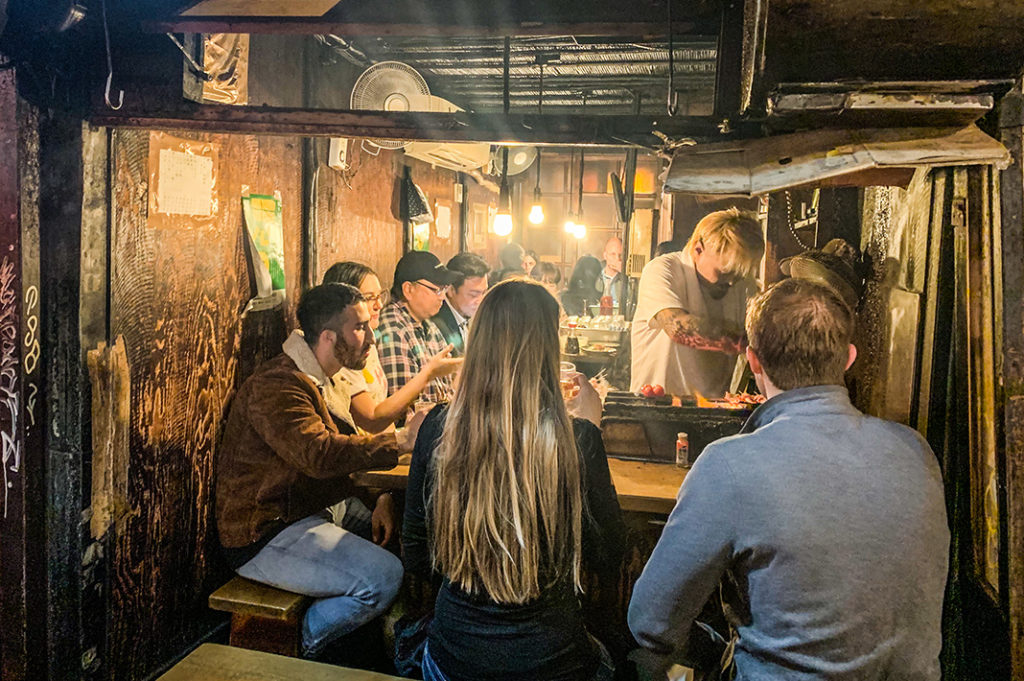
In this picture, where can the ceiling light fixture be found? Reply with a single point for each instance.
(503, 220)
(536, 216)
(580, 228)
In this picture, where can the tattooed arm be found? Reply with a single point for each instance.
(698, 332)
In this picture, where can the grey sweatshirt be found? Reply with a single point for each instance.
(833, 525)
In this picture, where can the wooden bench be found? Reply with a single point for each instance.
(262, 617)
(212, 662)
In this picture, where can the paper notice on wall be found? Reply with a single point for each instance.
(421, 237)
(185, 184)
(443, 221)
(266, 229)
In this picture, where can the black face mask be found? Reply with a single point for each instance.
(717, 290)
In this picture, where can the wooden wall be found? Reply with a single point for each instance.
(895, 241)
(355, 216)
(439, 186)
(178, 288)
(358, 215)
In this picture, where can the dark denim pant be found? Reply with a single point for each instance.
(605, 667)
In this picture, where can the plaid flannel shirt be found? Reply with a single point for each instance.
(406, 346)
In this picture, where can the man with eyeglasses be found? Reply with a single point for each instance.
(469, 283)
(688, 325)
(408, 339)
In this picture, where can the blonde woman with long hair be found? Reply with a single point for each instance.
(508, 499)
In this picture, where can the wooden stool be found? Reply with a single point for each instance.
(262, 617)
(212, 662)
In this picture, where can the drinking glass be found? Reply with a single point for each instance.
(566, 380)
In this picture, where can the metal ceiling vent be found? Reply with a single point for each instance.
(395, 86)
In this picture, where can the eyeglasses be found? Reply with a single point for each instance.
(381, 298)
(437, 291)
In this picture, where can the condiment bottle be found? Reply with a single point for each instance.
(682, 450)
(572, 343)
(606, 305)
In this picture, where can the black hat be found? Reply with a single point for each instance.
(416, 265)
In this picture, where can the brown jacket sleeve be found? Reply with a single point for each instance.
(286, 416)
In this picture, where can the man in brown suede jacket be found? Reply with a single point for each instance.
(284, 466)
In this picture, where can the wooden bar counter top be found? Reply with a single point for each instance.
(641, 486)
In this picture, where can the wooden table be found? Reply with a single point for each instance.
(643, 487)
(212, 662)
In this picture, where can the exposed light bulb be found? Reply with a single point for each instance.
(502, 224)
(570, 225)
(536, 214)
(579, 230)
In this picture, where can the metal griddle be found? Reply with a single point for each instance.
(644, 429)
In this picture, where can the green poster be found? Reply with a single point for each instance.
(263, 219)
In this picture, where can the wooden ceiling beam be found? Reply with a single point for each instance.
(536, 129)
(317, 26)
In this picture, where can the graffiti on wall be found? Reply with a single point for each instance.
(9, 398)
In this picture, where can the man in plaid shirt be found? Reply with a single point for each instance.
(408, 339)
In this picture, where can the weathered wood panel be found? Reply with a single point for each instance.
(892, 40)
(356, 214)
(14, 648)
(1010, 320)
(178, 287)
(63, 382)
(893, 238)
(439, 186)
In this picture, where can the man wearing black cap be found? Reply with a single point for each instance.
(408, 338)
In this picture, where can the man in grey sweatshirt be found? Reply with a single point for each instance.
(830, 524)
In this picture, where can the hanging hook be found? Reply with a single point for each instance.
(672, 100)
(110, 65)
(106, 94)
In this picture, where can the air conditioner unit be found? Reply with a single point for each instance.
(457, 156)
(460, 157)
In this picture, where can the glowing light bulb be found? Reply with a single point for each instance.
(536, 214)
(570, 226)
(579, 230)
(502, 224)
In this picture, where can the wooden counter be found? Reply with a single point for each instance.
(644, 487)
(213, 662)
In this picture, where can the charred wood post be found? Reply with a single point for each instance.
(22, 515)
(1012, 361)
(60, 192)
(53, 185)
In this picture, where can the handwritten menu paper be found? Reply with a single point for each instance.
(443, 221)
(185, 185)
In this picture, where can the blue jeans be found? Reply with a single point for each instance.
(353, 580)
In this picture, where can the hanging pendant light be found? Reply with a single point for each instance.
(536, 216)
(536, 210)
(580, 227)
(503, 220)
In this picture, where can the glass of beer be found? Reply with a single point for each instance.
(567, 380)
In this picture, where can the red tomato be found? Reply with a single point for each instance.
(647, 390)
(658, 390)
